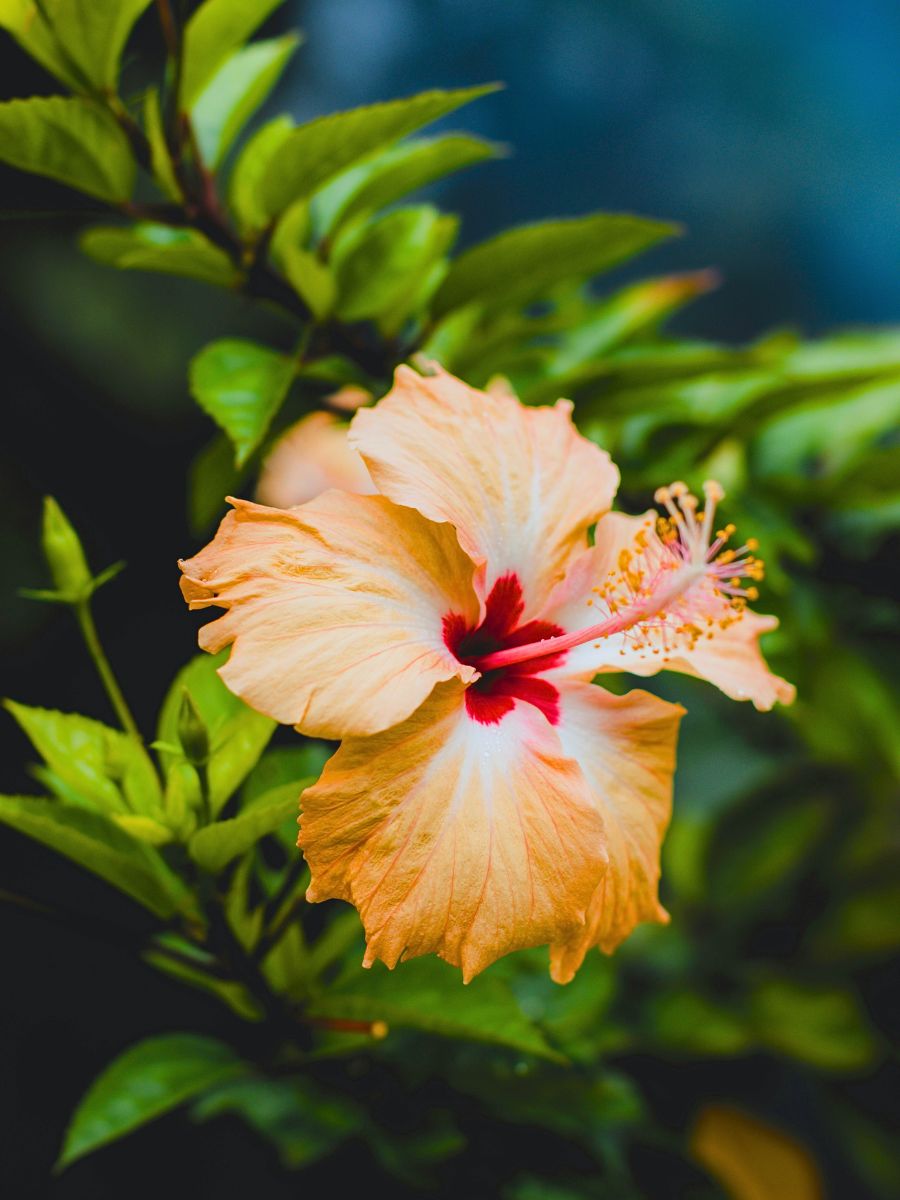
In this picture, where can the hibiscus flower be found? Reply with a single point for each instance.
(486, 796)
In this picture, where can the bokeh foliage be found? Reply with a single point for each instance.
(780, 869)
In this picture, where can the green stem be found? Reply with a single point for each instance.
(92, 640)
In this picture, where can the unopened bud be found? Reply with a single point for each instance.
(192, 732)
(64, 554)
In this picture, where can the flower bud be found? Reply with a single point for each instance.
(64, 554)
(192, 732)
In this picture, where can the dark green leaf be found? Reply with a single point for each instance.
(211, 477)
(865, 924)
(316, 152)
(216, 30)
(71, 140)
(97, 843)
(149, 247)
(393, 174)
(241, 385)
(522, 264)
(145, 1082)
(236, 91)
(216, 845)
(104, 766)
(303, 1122)
(428, 995)
(752, 856)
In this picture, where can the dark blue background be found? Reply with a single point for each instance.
(768, 127)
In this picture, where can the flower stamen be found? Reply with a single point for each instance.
(675, 585)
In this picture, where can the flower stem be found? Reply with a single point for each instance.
(88, 629)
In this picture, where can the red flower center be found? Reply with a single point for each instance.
(495, 694)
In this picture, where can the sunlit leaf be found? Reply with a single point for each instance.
(104, 766)
(241, 385)
(71, 140)
(92, 34)
(216, 845)
(150, 247)
(393, 174)
(148, 1080)
(521, 264)
(163, 171)
(216, 30)
(98, 844)
(253, 163)
(314, 153)
(378, 264)
(238, 734)
(236, 91)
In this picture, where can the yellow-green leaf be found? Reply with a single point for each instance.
(71, 140)
(241, 385)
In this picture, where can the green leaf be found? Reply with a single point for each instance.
(236, 91)
(308, 275)
(253, 164)
(92, 34)
(379, 264)
(237, 733)
(303, 1122)
(99, 845)
(522, 264)
(216, 30)
(149, 1079)
(285, 765)
(632, 310)
(241, 385)
(316, 152)
(71, 140)
(428, 995)
(151, 247)
(689, 1024)
(865, 924)
(822, 1026)
(823, 441)
(753, 855)
(106, 767)
(393, 174)
(211, 477)
(161, 161)
(234, 995)
(23, 19)
(216, 845)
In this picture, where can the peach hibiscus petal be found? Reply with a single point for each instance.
(333, 610)
(626, 747)
(729, 657)
(520, 485)
(311, 457)
(454, 836)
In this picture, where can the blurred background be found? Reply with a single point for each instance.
(769, 130)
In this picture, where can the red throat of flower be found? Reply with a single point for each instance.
(492, 696)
